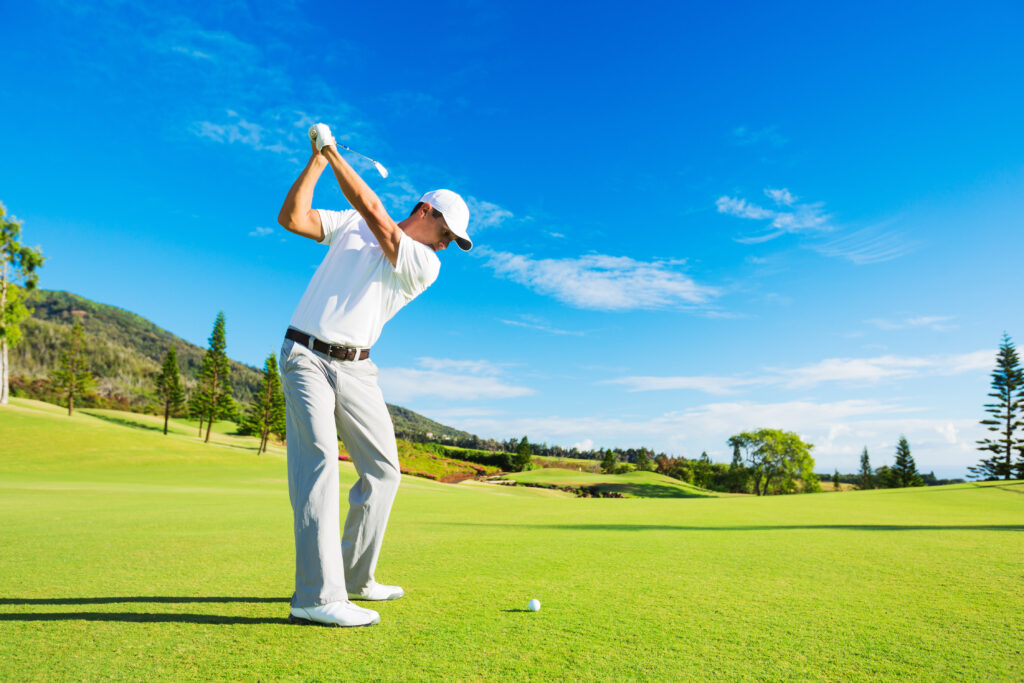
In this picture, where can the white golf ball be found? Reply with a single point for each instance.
(534, 605)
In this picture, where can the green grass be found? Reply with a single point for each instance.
(630, 484)
(130, 555)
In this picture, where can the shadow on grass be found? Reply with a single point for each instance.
(123, 421)
(652, 491)
(1014, 487)
(132, 598)
(138, 424)
(757, 527)
(515, 610)
(139, 617)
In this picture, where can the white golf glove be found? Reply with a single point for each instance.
(321, 136)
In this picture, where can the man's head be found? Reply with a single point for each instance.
(438, 218)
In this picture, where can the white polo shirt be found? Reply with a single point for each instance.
(356, 289)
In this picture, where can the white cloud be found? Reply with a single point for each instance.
(744, 135)
(741, 208)
(872, 244)
(866, 246)
(242, 131)
(939, 323)
(534, 323)
(790, 217)
(782, 196)
(709, 385)
(485, 214)
(842, 370)
(261, 232)
(476, 367)
(584, 445)
(448, 379)
(868, 370)
(600, 282)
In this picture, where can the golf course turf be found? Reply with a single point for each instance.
(128, 554)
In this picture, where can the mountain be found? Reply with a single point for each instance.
(125, 352)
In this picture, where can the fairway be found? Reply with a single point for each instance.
(131, 555)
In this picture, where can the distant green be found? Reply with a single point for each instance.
(630, 484)
(129, 555)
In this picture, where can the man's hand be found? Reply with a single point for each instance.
(320, 135)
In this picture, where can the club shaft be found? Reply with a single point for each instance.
(355, 152)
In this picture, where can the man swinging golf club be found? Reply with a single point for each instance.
(373, 267)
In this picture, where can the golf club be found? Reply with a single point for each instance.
(376, 164)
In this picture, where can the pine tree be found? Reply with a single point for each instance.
(904, 468)
(168, 386)
(18, 263)
(72, 377)
(702, 470)
(266, 413)
(523, 455)
(196, 403)
(609, 462)
(867, 479)
(1006, 412)
(835, 480)
(643, 460)
(213, 393)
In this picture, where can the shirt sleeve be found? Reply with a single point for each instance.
(336, 222)
(417, 266)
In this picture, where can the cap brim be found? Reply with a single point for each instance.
(465, 244)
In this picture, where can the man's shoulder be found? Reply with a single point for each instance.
(337, 222)
(417, 263)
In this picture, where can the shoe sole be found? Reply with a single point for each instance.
(292, 619)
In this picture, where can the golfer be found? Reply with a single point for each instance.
(373, 267)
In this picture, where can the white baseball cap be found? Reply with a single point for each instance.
(455, 212)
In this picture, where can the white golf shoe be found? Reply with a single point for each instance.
(334, 614)
(377, 591)
(321, 136)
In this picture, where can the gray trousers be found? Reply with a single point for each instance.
(324, 398)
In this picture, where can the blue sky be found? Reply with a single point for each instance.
(690, 221)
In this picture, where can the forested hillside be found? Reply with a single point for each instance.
(124, 352)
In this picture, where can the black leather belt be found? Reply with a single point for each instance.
(332, 350)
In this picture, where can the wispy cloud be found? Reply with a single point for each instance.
(486, 214)
(867, 245)
(601, 282)
(476, 367)
(788, 216)
(706, 384)
(744, 135)
(938, 323)
(448, 379)
(534, 323)
(857, 371)
(237, 129)
(261, 232)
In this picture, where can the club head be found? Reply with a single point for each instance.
(380, 169)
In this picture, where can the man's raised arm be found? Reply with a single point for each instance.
(366, 202)
(297, 214)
